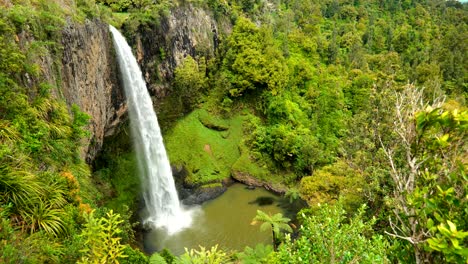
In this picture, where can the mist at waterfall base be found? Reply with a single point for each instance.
(162, 206)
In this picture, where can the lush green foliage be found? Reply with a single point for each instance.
(212, 256)
(190, 81)
(259, 254)
(334, 182)
(320, 85)
(101, 240)
(327, 236)
(45, 186)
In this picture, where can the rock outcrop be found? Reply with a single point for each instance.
(191, 194)
(250, 180)
(187, 30)
(89, 79)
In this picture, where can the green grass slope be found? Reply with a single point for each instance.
(206, 145)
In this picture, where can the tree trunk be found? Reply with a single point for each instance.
(275, 247)
(421, 256)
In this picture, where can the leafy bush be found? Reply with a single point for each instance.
(134, 256)
(212, 256)
(326, 236)
(101, 239)
(334, 182)
(259, 254)
(190, 81)
(252, 60)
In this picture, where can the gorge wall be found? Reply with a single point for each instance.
(186, 31)
(90, 80)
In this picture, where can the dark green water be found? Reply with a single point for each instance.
(225, 221)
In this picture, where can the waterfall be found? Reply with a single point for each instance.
(163, 208)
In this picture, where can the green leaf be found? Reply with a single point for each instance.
(455, 243)
(453, 227)
(430, 223)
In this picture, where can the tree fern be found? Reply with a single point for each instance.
(275, 223)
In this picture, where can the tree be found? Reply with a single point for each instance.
(190, 81)
(427, 169)
(253, 61)
(277, 223)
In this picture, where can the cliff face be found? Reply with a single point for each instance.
(89, 79)
(90, 76)
(187, 30)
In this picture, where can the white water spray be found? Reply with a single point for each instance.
(159, 192)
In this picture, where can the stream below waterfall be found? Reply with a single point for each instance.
(225, 221)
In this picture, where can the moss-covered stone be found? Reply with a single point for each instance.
(255, 172)
(212, 122)
(206, 153)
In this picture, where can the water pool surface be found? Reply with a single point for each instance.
(225, 221)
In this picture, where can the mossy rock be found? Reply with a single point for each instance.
(208, 154)
(257, 172)
(211, 121)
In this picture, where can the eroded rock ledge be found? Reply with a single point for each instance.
(249, 180)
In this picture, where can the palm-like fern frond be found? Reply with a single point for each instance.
(265, 226)
(42, 216)
(8, 133)
(19, 187)
(275, 223)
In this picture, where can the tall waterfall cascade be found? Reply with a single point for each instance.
(163, 208)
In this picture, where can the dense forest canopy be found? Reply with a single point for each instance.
(358, 107)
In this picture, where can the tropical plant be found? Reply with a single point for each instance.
(102, 241)
(42, 215)
(292, 194)
(203, 256)
(259, 254)
(19, 187)
(276, 223)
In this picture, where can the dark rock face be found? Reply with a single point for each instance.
(187, 30)
(194, 194)
(90, 80)
(203, 194)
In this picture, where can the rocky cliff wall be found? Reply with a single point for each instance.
(89, 79)
(187, 30)
(89, 74)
